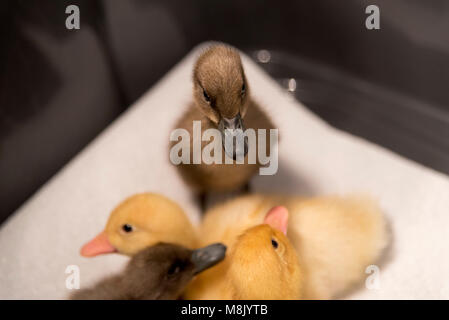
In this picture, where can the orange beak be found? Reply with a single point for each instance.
(98, 245)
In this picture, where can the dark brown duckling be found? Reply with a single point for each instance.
(221, 100)
(160, 272)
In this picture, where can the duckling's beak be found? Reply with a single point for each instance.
(207, 257)
(98, 245)
(229, 129)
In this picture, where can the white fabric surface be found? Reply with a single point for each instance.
(44, 236)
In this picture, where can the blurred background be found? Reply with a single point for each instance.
(60, 88)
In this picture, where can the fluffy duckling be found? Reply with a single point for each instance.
(221, 100)
(262, 265)
(140, 221)
(160, 272)
(335, 239)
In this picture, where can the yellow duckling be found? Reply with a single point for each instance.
(262, 264)
(331, 241)
(140, 221)
(335, 240)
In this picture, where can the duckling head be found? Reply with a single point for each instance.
(162, 271)
(263, 262)
(141, 221)
(221, 93)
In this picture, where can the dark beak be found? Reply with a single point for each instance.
(232, 130)
(207, 257)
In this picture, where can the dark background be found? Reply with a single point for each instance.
(59, 88)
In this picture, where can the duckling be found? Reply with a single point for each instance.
(221, 100)
(335, 239)
(160, 272)
(262, 265)
(140, 221)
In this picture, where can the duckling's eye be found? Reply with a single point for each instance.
(174, 269)
(243, 90)
(127, 228)
(206, 96)
(274, 243)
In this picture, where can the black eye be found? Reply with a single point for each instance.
(127, 228)
(206, 96)
(274, 243)
(243, 89)
(174, 269)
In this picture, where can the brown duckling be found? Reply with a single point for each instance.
(221, 100)
(160, 272)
